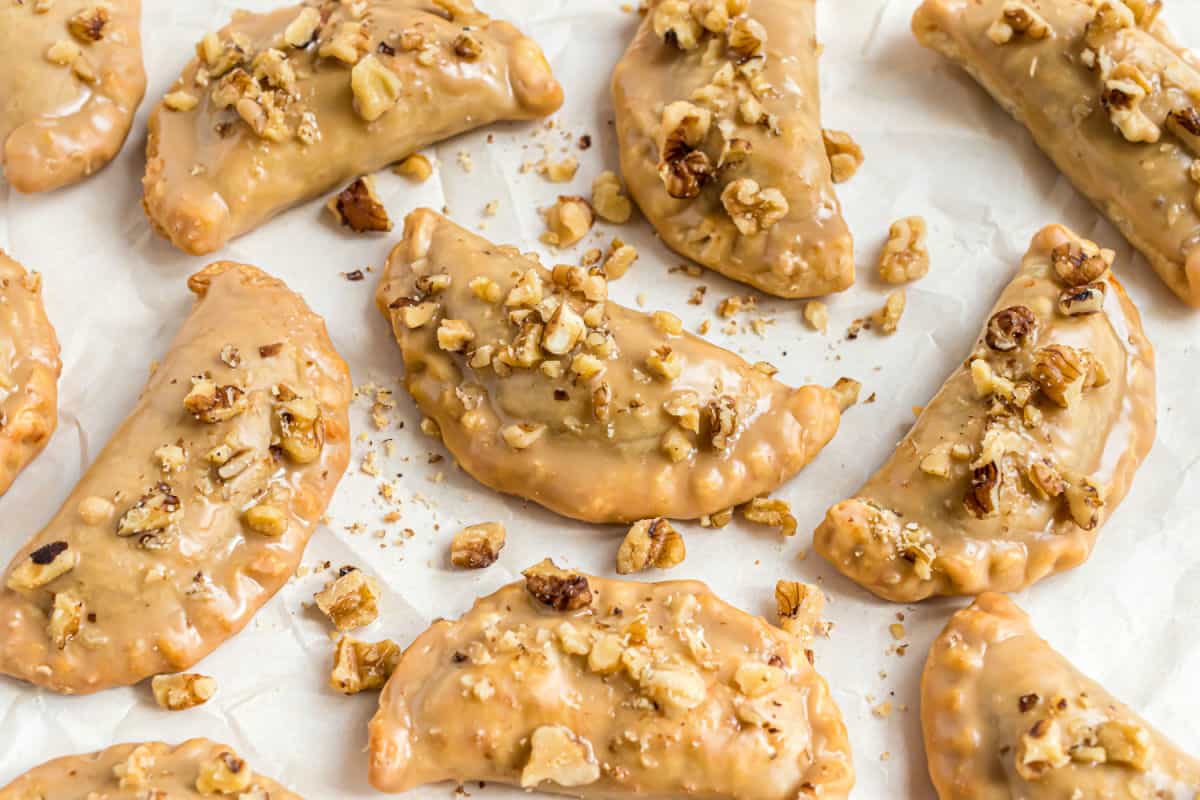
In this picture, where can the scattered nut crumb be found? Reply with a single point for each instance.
(350, 601)
(816, 314)
(183, 691)
(771, 511)
(608, 200)
(887, 319)
(846, 390)
(416, 168)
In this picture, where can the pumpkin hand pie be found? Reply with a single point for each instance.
(1011, 470)
(200, 506)
(1108, 95)
(543, 388)
(594, 687)
(719, 125)
(196, 769)
(281, 107)
(29, 370)
(1005, 717)
(71, 81)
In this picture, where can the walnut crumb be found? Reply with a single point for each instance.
(477, 546)
(416, 168)
(887, 319)
(350, 601)
(183, 691)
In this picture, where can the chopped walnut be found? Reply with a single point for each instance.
(477, 546)
(210, 403)
(1011, 329)
(1046, 480)
(887, 318)
(608, 200)
(301, 31)
(183, 691)
(559, 589)
(1080, 264)
(905, 256)
(845, 156)
(376, 88)
(363, 666)
(620, 258)
(66, 618)
(156, 510)
(266, 518)
(63, 53)
(755, 679)
(350, 601)
(799, 607)
(773, 512)
(1018, 17)
(453, 335)
(684, 168)
(846, 390)
(225, 774)
(180, 101)
(416, 168)
(301, 432)
(664, 363)
(567, 221)
(46, 563)
(650, 543)
(559, 171)
(1041, 749)
(675, 25)
(983, 496)
(1125, 744)
(557, 755)
(816, 314)
(1062, 372)
(522, 436)
(722, 420)
(88, 25)
(1079, 300)
(467, 46)
(359, 208)
(747, 38)
(462, 12)
(753, 209)
(563, 330)
(348, 43)
(1085, 501)
(1125, 88)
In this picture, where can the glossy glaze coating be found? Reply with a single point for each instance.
(156, 597)
(211, 177)
(809, 252)
(158, 770)
(603, 448)
(990, 680)
(1143, 187)
(663, 690)
(56, 128)
(907, 516)
(29, 370)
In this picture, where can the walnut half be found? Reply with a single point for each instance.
(350, 601)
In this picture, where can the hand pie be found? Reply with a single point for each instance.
(29, 370)
(199, 508)
(281, 107)
(1006, 717)
(71, 81)
(194, 770)
(603, 688)
(1108, 95)
(543, 389)
(719, 123)
(1027, 449)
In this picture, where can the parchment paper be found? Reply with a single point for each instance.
(935, 145)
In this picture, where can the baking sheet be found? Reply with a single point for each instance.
(935, 145)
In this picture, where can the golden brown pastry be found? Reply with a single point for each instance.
(1108, 94)
(543, 389)
(1030, 445)
(1007, 717)
(719, 123)
(199, 508)
(281, 107)
(71, 80)
(593, 687)
(196, 769)
(29, 370)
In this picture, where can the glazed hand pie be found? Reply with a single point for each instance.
(281, 107)
(29, 370)
(1012, 468)
(719, 125)
(196, 769)
(71, 80)
(1108, 94)
(199, 508)
(544, 389)
(604, 688)
(1006, 717)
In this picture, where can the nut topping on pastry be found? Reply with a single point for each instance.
(721, 144)
(527, 370)
(324, 82)
(1022, 455)
(161, 553)
(71, 82)
(596, 687)
(1006, 716)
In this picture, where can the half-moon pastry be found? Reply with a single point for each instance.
(281, 107)
(1007, 717)
(195, 770)
(719, 125)
(1108, 94)
(593, 687)
(1030, 445)
(71, 80)
(200, 506)
(543, 388)
(29, 370)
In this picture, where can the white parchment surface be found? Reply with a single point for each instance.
(935, 146)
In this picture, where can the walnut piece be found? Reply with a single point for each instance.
(350, 601)
(1085, 501)
(608, 199)
(225, 774)
(210, 403)
(816, 314)
(88, 25)
(847, 391)
(773, 512)
(359, 208)
(650, 543)
(156, 510)
(522, 435)
(1018, 17)
(799, 607)
(301, 31)
(1011, 329)
(1079, 300)
(675, 25)
(567, 221)
(1080, 264)
(560, 589)
(183, 691)
(363, 666)
(905, 255)
(682, 166)
(266, 518)
(983, 497)
(1062, 372)
(477, 546)
(66, 618)
(557, 755)
(752, 208)
(887, 319)
(44, 564)
(376, 88)
(1041, 749)
(845, 156)
(301, 433)
(416, 168)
